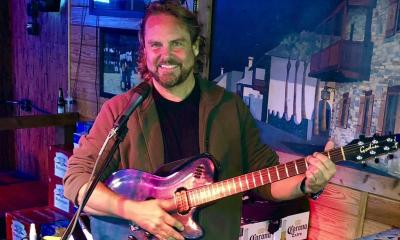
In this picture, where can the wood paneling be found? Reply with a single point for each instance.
(336, 209)
(383, 186)
(40, 68)
(389, 214)
(373, 227)
(7, 148)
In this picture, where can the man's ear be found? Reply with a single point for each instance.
(195, 47)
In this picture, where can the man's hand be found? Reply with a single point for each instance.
(152, 216)
(321, 169)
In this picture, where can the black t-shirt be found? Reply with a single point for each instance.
(179, 125)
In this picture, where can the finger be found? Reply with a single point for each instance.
(171, 221)
(324, 160)
(167, 204)
(170, 233)
(317, 163)
(329, 145)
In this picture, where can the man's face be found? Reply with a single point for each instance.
(169, 50)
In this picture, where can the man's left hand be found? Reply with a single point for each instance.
(321, 169)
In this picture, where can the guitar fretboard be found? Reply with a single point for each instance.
(232, 186)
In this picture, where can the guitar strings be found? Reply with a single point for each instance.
(258, 179)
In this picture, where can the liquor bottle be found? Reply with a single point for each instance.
(60, 101)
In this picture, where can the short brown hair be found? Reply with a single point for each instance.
(189, 20)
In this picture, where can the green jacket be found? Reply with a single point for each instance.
(226, 130)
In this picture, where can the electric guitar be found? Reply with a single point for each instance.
(191, 185)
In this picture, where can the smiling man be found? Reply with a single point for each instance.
(183, 117)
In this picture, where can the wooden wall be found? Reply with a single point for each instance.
(39, 66)
(356, 204)
(7, 148)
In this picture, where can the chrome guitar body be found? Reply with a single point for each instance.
(140, 186)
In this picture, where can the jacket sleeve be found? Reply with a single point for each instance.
(81, 163)
(256, 154)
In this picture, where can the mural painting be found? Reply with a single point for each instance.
(340, 80)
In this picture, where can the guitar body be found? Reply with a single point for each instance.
(140, 186)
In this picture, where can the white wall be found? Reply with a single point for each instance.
(276, 97)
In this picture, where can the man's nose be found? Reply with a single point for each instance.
(166, 51)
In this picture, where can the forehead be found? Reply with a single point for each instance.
(163, 26)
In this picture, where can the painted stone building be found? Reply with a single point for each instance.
(364, 63)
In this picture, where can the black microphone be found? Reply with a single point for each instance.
(140, 92)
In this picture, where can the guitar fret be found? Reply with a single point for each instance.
(199, 199)
(195, 196)
(329, 155)
(295, 165)
(277, 172)
(287, 173)
(254, 180)
(261, 177)
(234, 184)
(229, 187)
(269, 175)
(240, 183)
(344, 157)
(305, 160)
(222, 189)
(247, 181)
(209, 193)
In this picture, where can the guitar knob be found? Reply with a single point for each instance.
(390, 156)
(376, 160)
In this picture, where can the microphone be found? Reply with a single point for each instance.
(140, 92)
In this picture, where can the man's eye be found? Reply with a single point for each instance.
(155, 45)
(177, 44)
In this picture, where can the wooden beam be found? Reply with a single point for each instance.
(66, 119)
(368, 182)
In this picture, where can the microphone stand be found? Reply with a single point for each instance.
(116, 134)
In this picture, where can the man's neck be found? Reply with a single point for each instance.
(177, 93)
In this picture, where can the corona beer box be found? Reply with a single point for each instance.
(48, 222)
(258, 231)
(295, 227)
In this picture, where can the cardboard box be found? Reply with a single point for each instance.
(295, 227)
(58, 200)
(58, 159)
(48, 222)
(259, 230)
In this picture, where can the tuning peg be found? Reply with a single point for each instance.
(364, 164)
(390, 156)
(376, 160)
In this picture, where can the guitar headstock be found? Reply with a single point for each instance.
(359, 150)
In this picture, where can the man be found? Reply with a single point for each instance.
(182, 117)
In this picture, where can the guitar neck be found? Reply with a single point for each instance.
(209, 193)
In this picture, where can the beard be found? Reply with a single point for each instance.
(172, 79)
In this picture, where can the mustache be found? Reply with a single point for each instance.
(169, 61)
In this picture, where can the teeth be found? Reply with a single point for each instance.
(168, 66)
